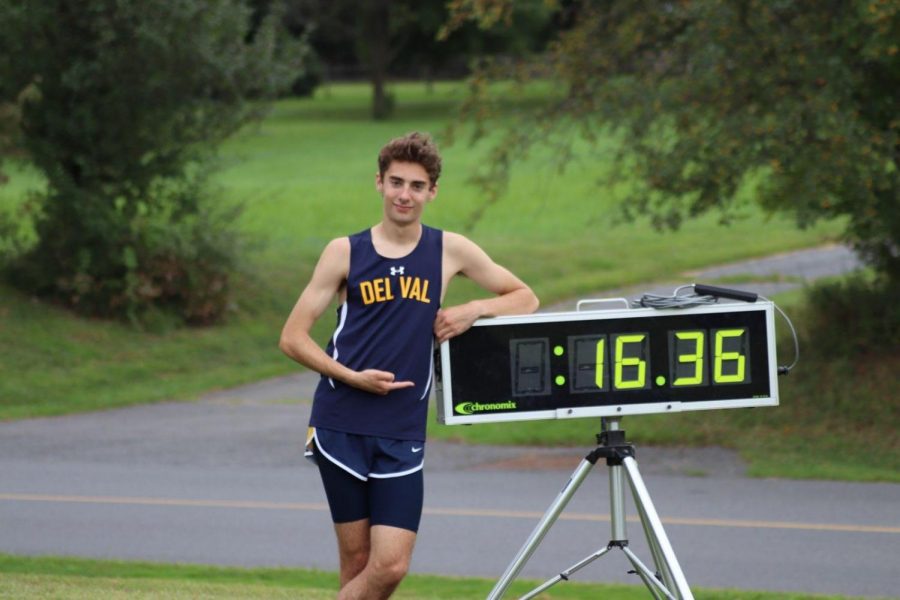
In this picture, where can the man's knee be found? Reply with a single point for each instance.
(353, 546)
(390, 571)
(353, 561)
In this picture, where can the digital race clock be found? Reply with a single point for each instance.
(607, 363)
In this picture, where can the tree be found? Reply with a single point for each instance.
(385, 37)
(705, 95)
(347, 33)
(358, 34)
(9, 122)
(10, 117)
(129, 98)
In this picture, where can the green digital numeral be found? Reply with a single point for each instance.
(695, 357)
(623, 362)
(601, 355)
(729, 366)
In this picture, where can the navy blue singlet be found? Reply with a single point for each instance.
(386, 323)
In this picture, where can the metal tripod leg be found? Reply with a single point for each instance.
(648, 577)
(656, 588)
(668, 581)
(663, 555)
(550, 516)
(652, 529)
(564, 576)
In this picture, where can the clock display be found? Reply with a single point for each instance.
(609, 362)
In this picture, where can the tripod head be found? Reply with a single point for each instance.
(611, 443)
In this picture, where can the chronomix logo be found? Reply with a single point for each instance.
(470, 408)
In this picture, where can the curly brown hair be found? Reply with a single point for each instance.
(414, 147)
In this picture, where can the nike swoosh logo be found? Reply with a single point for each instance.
(416, 450)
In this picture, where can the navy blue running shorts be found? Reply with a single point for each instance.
(367, 477)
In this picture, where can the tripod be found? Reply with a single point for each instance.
(668, 581)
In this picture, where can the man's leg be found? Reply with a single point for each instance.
(395, 507)
(348, 501)
(390, 551)
(353, 548)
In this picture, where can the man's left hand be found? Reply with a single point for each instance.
(455, 320)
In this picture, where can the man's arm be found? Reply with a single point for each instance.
(327, 280)
(513, 296)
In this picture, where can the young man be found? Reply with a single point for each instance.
(369, 412)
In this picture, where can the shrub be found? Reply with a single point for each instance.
(851, 317)
(165, 260)
(127, 98)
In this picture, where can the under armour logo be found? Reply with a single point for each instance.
(397, 270)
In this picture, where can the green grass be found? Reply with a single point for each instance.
(55, 363)
(555, 230)
(306, 175)
(73, 578)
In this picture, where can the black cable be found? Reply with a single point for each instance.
(784, 370)
(674, 301)
(693, 299)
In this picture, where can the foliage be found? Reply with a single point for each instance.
(852, 317)
(128, 99)
(310, 75)
(9, 123)
(797, 97)
(10, 119)
(177, 266)
(406, 38)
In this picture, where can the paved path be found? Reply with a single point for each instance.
(221, 481)
(765, 276)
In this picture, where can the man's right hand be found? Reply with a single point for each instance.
(378, 382)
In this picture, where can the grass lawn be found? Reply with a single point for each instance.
(46, 577)
(306, 175)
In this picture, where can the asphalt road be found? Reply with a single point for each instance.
(222, 481)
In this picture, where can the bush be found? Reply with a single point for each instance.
(852, 317)
(184, 265)
(126, 98)
(165, 260)
(311, 77)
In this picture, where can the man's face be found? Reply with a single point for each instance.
(406, 190)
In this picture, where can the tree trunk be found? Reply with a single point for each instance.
(378, 35)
